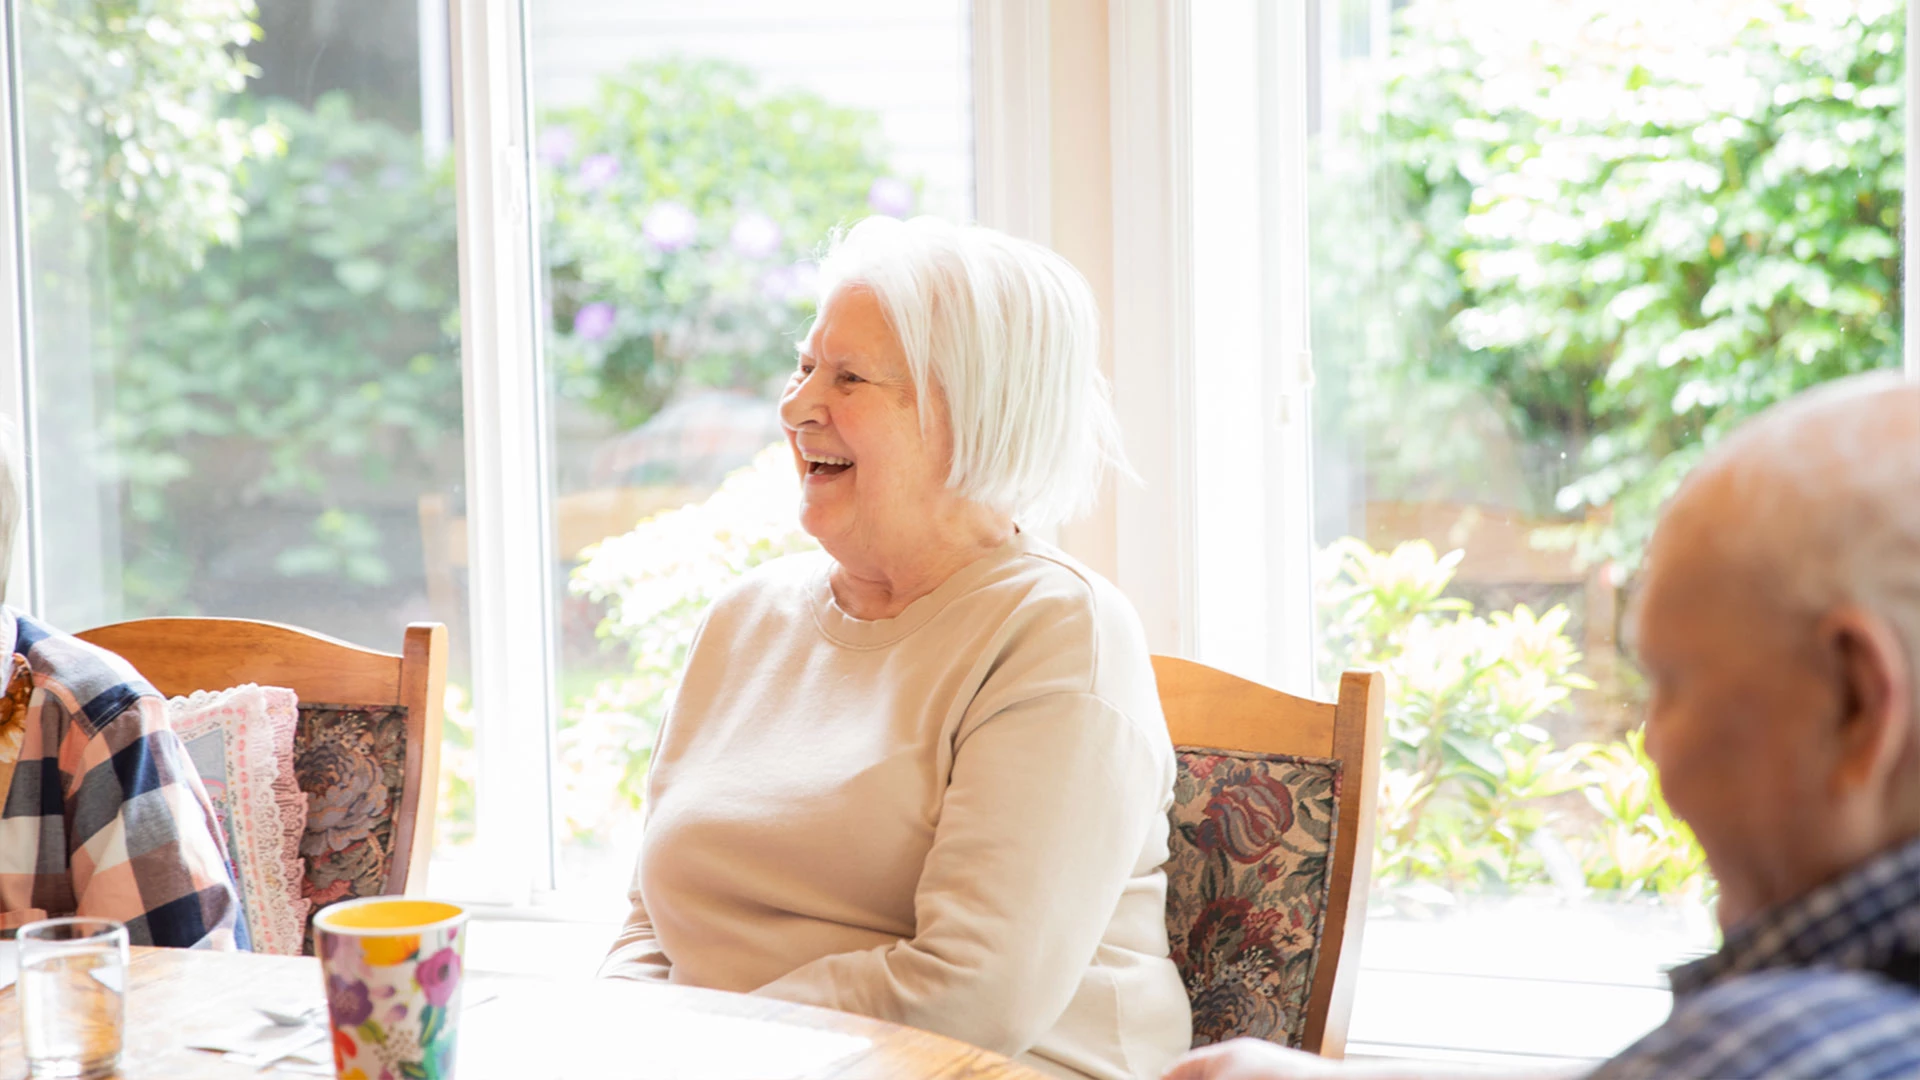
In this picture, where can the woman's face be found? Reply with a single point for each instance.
(873, 489)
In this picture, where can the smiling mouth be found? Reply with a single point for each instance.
(826, 466)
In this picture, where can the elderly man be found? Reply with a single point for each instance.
(1779, 628)
(103, 815)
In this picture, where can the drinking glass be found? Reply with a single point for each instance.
(73, 980)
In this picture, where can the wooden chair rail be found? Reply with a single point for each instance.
(182, 655)
(1210, 708)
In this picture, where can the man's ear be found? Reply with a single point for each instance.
(1874, 725)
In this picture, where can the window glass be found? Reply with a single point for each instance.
(1559, 247)
(243, 311)
(691, 163)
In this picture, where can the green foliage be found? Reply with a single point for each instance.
(656, 582)
(319, 347)
(1619, 225)
(314, 351)
(682, 204)
(128, 99)
(459, 771)
(1464, 757)
(1640, 846)
(1470, 779)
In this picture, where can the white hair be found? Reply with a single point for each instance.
(1828, 491)
(1010, 335)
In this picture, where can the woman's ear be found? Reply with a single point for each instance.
(1875, 724)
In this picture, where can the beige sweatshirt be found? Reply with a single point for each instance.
(954, 819)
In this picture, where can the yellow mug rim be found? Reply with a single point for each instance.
(323, 921)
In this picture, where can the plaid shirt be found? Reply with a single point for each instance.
(105, 815)
(1824, 986)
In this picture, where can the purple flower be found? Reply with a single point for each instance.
(439, 976)
(777, 284)
(669, 226)
(796, 281)
(594, 321)
(556, 145)
(806, 278)
(891, 196)
(756, 236)
(598, 171)
(348, 1001)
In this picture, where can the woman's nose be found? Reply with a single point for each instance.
(799, 405)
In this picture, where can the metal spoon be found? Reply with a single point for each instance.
(287, 1019)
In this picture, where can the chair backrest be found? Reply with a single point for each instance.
(182, 655)
(1210, 709)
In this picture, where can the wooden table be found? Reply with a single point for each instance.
(533, 1029)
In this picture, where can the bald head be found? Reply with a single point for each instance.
(1813, 504)
(1778, 627)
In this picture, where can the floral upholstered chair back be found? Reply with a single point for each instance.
(1247, 887)
(351, 763)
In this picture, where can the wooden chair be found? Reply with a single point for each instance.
(182, 655)
(1206, 708)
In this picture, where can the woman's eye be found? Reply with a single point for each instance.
(848, 376)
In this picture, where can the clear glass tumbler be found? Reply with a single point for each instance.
(73, 981)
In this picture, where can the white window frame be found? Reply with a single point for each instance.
(509, 551)
(1012, 119)
(24, 588)
(1252, 602)
(1152, 309)
(1910, 251)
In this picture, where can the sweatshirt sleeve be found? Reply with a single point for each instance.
(636, 953)
(1045, 819)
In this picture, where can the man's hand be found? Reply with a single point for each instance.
(1250, 1059)
(1253, 1059)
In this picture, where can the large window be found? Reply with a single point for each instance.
(690, 166)
(244, 357)
(1553, 249)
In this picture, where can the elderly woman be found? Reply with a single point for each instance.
(924, 776)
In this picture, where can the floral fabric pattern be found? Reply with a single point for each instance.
(1247, 887)
(393, 1002)
(351, 762)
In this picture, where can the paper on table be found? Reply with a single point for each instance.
(258, 1037)
(615, 1040)
(9, 963)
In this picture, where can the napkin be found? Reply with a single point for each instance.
(652, 1044)
(307, 1048)
(263, 1039)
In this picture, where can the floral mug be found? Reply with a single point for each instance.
(393, 971)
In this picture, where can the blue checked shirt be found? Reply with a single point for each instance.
(1826, 986)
